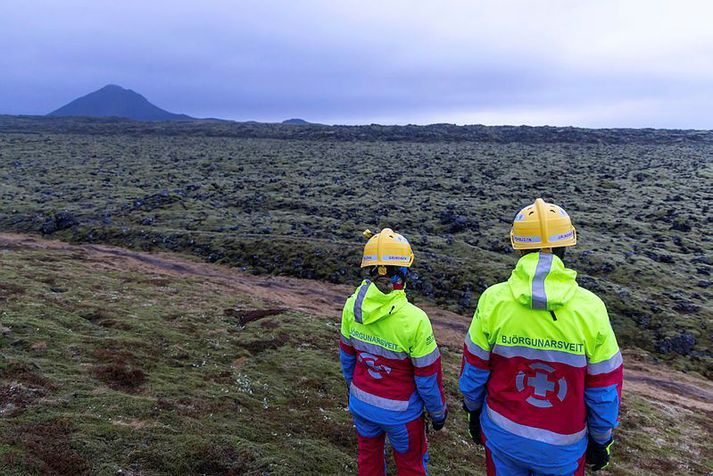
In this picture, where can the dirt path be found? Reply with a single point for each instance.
(656, 382)
(298, 294)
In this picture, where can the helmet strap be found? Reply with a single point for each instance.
(397, 275)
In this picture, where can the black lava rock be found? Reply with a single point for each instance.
(681, 344)
(686, 307)
(681, 225)
(58, 222)
(661, 258)
(455, 222)
(157, 200)
(465, 299)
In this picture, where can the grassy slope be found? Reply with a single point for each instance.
(108, 367)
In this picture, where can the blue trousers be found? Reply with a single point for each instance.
(499, 464)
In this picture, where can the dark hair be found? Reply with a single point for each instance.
(390, 270)
(558, 252)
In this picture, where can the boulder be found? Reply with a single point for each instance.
(681, 344)
(455, 222)
(58, 222)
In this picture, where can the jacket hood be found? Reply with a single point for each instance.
(371, 304)
(541, 281)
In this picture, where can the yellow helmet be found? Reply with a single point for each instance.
(542, 225)
(386, 248)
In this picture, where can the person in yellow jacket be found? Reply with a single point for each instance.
(390, 361)
(542, 373)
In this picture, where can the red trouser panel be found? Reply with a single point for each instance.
(489, 465)
(371, 455)
(582, 465)
(412, 461)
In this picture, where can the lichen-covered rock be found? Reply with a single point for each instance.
(58, 222)
(681, 344)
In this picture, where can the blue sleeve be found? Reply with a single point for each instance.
(347, 353)
(347, 361)
(472, 382)
(430, 388)
(475, 369)
(602, 390)
(602, 411)
(428, 371)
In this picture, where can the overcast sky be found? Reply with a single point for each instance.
(598, 63)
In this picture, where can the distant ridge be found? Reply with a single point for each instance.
(373, 132)
(115, 101)
(296, 122)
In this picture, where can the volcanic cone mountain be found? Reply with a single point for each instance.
(115, 101)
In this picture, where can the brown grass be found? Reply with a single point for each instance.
(8, 290)
(47, 449)
(222, 458)
(119, 376)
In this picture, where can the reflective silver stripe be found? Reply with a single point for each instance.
(345, 340)
(539, 297)
(475, 349)
(377, 350)
(575, 360)
(527, 239)
(381, 402)
(360, 300)
(600, 437)
(396, 258)
(533, 433)
(561, 237)
(606, 366)
(426, 360)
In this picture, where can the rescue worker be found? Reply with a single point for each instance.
(390, 362)
(542, 373)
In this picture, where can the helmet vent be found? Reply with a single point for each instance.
(542, 225)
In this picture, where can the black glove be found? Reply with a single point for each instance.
(474, 425)
(439, 424)
(598, 454)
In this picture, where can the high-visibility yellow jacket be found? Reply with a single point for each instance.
(542, 358)
(390, 358)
